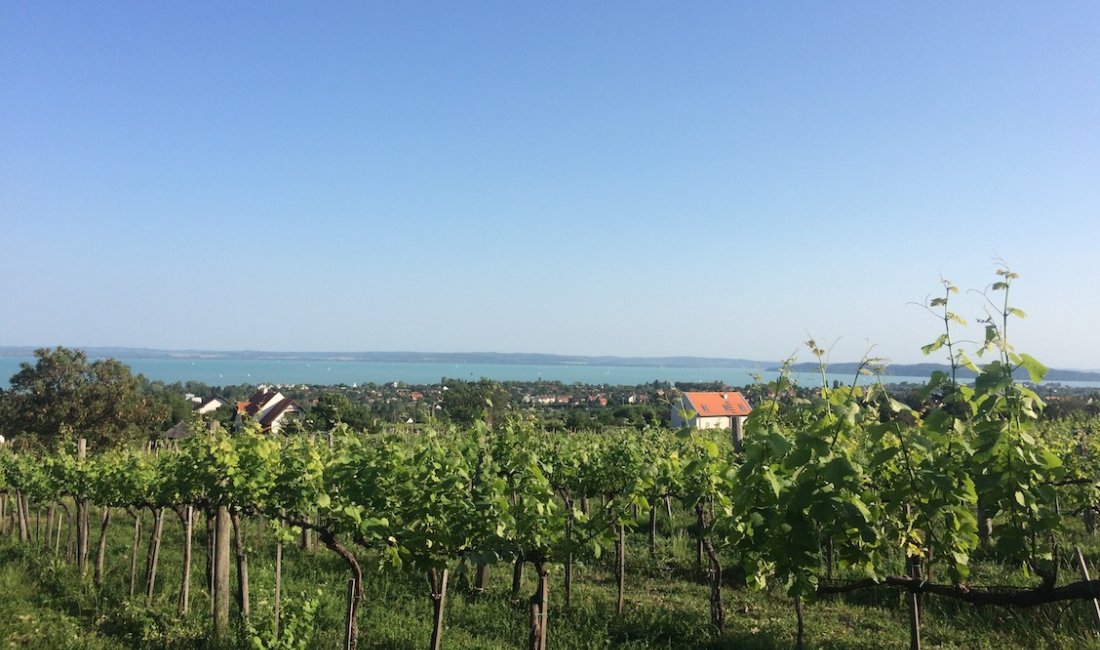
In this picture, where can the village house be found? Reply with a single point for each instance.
(712, 410)
(204, 407)
(268, 407)
(210, 405)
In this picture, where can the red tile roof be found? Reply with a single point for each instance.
(258, 400)
(716, 404)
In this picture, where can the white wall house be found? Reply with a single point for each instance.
(712, 410)
(268, 407)
(210, 405)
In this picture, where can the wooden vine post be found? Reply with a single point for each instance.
(24, 526)
(134, 552)
(82, 517)
(1084, 569)
(188, 518)
(800, 633)
(569, 523)
(221, 573)
(242, 567)
(351, 629)
(101, 548)
(653, 531)
(278, 579)
(620, 570)
(539, 604)
(45, 539)
(481, 577)
(914, 571)
(517, 576)
(355, 587)
(153, 554)
(700, 525)
(438, 580)
(211, 533)
(714, 572)
(914, 605)
(1089, 514)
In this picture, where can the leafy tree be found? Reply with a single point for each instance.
(63, 396)
(465, 402)
(334, 408)
(168, 400)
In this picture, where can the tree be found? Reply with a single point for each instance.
(64, 397)
(333, 408)
(466, 401)
(168, 401)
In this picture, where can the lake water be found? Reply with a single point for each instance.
(225, 372)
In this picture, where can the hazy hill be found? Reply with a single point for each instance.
(526, 359)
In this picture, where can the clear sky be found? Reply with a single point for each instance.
(627, 178)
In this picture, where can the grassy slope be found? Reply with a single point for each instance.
(46, 606)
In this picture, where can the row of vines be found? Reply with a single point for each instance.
(848, 489)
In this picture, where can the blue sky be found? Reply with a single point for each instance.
(713, 179)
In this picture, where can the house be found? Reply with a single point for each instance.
(717, 410)
(210, 405)
(178, 432)
(268, 407)
(184, 429)
(204, 407)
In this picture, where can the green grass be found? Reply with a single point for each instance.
(46, 605)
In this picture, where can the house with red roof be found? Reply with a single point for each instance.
(712, 410)
(268, 407)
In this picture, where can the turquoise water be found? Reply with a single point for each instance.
(224, 372)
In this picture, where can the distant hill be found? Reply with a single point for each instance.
(524, 359)
(926, 370)
(498, 358)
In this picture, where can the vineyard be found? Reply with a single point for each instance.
(967, 511)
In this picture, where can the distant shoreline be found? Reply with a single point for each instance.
(500, 358)
(521, 359)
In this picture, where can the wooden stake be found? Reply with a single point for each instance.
(620, 571)
(914, 607)
(517, 576)
(153, 555)
(653, 531)
(82, 516)
(134, 552)
(221, 574)
(1085, 575)
(349, 620)
(278, 585)
(801, 636)
(24, 527)
(185, 582)
(101, 549)
(438, 580)
(243, 602)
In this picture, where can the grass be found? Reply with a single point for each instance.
(47, 605)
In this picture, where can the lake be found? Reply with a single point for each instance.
(225, 372)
